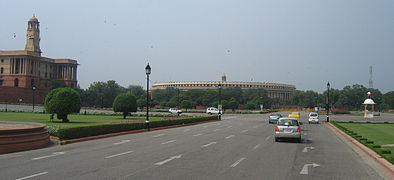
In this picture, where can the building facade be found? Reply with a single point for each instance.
(22, 70)
(274, 90)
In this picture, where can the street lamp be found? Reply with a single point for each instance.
(328, 101)
(147, 71)
(220, 101)
(34, 89)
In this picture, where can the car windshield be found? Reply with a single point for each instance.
(288, 122)
(275, 115)
(314, 114)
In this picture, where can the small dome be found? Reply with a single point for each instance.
(369, 101)
(33, 19)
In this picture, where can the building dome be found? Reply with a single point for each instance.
(369, 101)
(33, 19)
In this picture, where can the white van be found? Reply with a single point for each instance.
(213, 110)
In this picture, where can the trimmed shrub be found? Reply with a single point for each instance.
(63, 101)
(341, 112)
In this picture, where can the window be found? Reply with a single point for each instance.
(2, 70)
(1, 82)
(2, 60)
(16, 82)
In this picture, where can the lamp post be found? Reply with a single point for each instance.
(220, 101)
(147, 71)
(34, 89)
(179, 106)
(328, 101)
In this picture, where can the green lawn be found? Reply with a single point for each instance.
(379, 133)
(76, 120)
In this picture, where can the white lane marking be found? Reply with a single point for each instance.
(306, 149)
(48, 156)
(168, 142)
(119, 154)
(229, 126)
(237, 162)
(31, 176)
(257, 146)
(122, 142)
(228, 137)
(197, 135)
(186, 130)
(205, 126)
(158, 135)
(168, 160)
(244, 131)
(218, 123)
(305, 168)
(206, 145)
(255, 127)
(216, 130)
(267, 137)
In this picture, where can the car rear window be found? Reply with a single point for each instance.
(288, 122)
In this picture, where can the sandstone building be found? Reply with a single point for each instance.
(22, 70)
(274, 90)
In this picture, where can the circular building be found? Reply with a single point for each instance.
(274, 90)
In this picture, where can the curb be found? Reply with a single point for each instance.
(64, 142)
(367, 150)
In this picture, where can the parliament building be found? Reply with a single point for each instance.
(274, 90)
(25, 71)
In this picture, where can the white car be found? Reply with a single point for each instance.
(175, 111)
(313, 118)
(213, 110)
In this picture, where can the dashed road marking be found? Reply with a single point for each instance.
(115, 155)
(228, 137)
(158, 135)
(167, 142)
(186, 130)
(168, 160)
(31, 176)
(197, 135)
(267, 138)
(237, 162)
(257, 146)
(216, 130)
(48, 156)
(122, 142)
(244, 131)
(206, 145)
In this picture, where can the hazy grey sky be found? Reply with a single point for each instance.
(301, 42)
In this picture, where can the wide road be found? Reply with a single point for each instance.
(238, 147)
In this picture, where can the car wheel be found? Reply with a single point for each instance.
(210, 113)
(299, 140)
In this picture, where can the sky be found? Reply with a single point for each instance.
(306, 43)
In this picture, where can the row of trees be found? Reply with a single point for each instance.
(102, 94)
(350, 97)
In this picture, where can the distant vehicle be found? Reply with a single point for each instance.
(175, 111)
(313, 118)
(295, 115)
(274, 117)
(288, 128)
(213, 110)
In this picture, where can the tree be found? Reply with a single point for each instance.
(187, 104)
(388, 99)
(138, 91)
(250, 105)
(141, 103)
(103, 93)
(125, 103)
(233, 104)
(53, 84)
(63, 101)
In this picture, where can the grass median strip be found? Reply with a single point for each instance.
(373, 135)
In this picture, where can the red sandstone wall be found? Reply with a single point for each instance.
(13, 94)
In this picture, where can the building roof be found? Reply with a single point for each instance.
(369, 101)
(33, 19)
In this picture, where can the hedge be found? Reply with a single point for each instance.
(340, 112)
(94, 130)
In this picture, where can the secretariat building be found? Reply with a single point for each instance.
(25, 71)
(274, 90)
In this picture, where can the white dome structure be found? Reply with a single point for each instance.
(369, 101)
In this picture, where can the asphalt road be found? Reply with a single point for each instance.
(238, 147)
